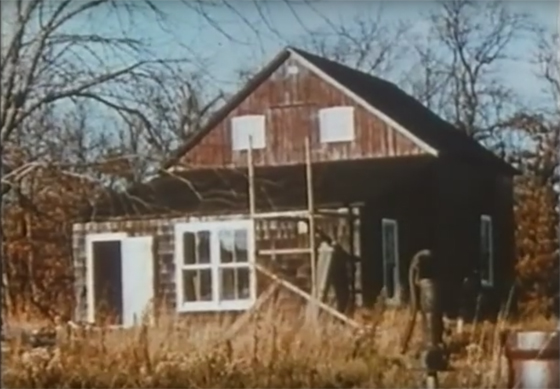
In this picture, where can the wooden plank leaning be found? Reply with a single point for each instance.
(244, 319)
(309, 298)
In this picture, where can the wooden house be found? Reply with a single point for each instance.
(307, 145)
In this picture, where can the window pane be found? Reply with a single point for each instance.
(197, 285)
(241, 240)
(203, 246)
(189, 253)
(243, 283)
(226, 239)
(484, 271)
(227, 284)
(485, 248)
(389, 279)
(234, 284)
(485, 266)
(389, 243)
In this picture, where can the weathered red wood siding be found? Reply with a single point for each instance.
(290, 104)
(412, 205)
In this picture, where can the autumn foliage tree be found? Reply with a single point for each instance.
(538, 190)
(537, 220)
(37, 242)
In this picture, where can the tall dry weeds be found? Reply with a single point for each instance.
(273, 350)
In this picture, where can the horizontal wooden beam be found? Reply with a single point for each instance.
(292, 251)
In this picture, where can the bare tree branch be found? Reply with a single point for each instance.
(50, 68)
(368, 43)
(460, 62)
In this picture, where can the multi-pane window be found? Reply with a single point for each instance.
(215, 271)
(486, 251)
(234, 265)
(336, 124)
(196, 269)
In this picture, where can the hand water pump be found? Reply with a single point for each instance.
(425, 297)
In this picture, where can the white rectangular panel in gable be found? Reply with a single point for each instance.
(245, 128)
(336, 124)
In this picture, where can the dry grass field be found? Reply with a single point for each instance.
(271, 350)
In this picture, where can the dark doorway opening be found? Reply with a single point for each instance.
(107, 282)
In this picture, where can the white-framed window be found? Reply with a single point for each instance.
(248, 130)
(391, 260)
(336, 124)
(486, 251)
(214, 266)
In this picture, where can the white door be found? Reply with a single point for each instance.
(138, 278)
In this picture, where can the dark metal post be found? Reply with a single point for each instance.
(425, 296)
(434, 356)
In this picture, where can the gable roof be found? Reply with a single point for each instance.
(383, 98)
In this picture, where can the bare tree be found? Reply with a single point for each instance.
(76, 116)
(51, 70)
(548, 63)
(459, 61)
(368, 43)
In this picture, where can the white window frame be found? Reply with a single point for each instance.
(337, 132)
(393, 223)
(248, 130)
(214, 265)
(487, 220)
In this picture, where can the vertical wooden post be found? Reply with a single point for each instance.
(352, 251)
(311, 215)
(251, 173)
(252, 201)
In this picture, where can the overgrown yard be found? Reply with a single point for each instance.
(272, 350)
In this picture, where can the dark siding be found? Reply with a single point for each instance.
(290, 104)
(463, 195)
(440, 210)
(411, 205)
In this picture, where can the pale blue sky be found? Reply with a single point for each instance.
(260, 33)
(236, 34)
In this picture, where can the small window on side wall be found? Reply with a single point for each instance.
(248, 130)
(336, 124)
(391, 260)
(486, 251)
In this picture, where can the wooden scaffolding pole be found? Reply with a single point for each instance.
(314, 298)
(311, 215)
(251, 174)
